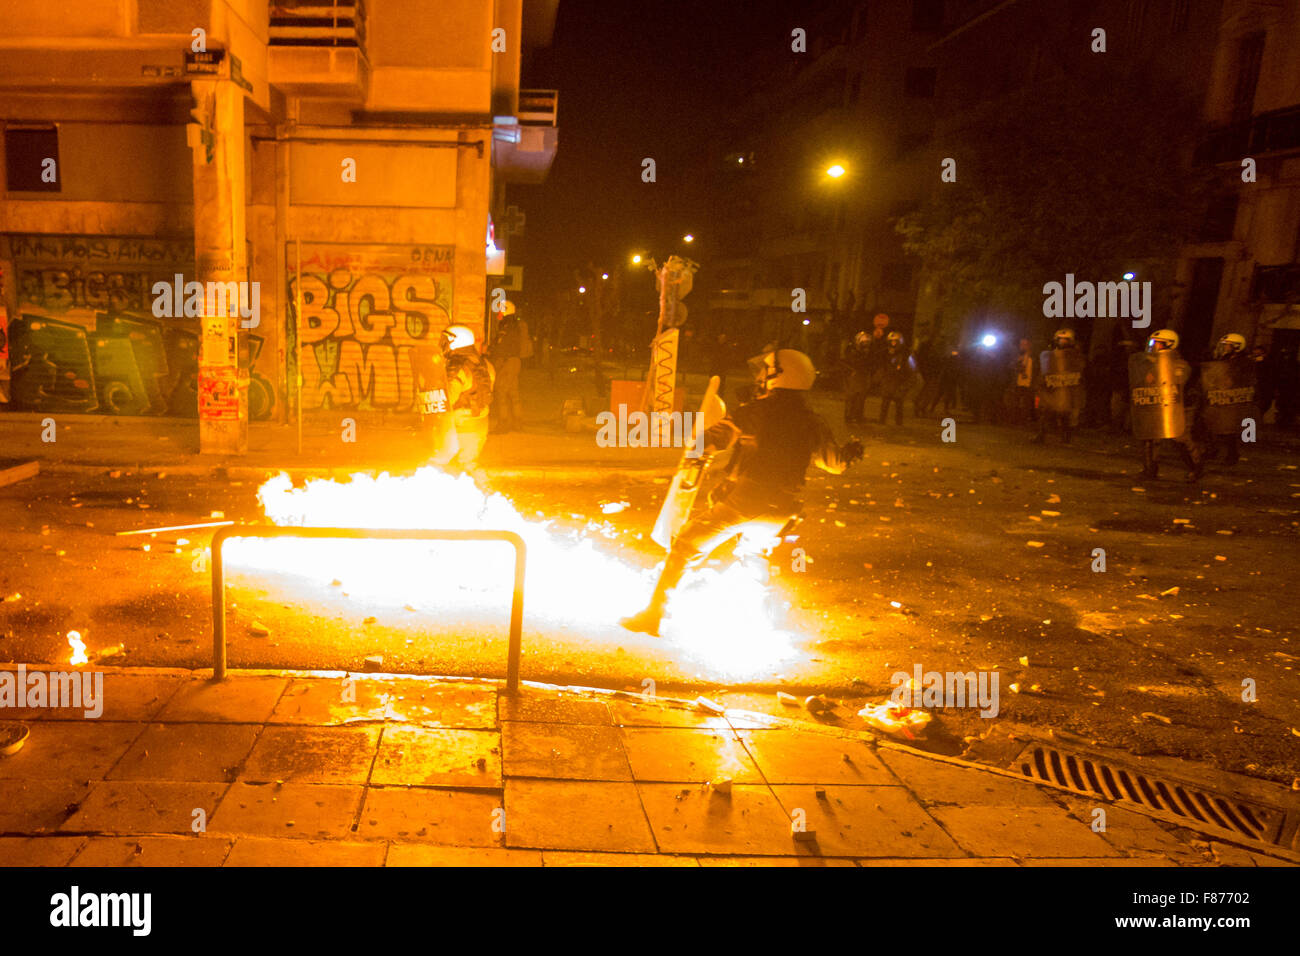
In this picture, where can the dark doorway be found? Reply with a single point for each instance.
(1198, 321)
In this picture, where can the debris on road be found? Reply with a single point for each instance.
(788, 699)
(258, 629)
(373, 664)
(12, 737)
(894, 719)
(703, 703)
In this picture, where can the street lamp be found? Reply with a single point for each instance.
(688, 238)
(582, 289)
(604, 275)
(636, 259)
(835, 171)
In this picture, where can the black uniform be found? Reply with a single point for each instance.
(775, 438)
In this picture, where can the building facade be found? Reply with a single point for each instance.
(339, 161)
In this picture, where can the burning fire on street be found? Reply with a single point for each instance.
(724, 620)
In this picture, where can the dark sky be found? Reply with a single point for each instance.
(636, 81)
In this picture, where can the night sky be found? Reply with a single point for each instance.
(637, 81)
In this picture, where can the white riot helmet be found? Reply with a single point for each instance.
(1063, 339)
(458, 337)
(1230, 344)
(786, 368)
(861, 338)
(895, 338)
(1162, 341)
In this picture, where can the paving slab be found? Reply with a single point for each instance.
(421, 854)
(39, 851)
(448, 817)
(789, 756)
(38, 806)
(554, 708)
(438, 757)
(152, 851)
(209, 753)
(564, 751)
(312, 755)
(863, 821)
(247, 700)
(262, 851)
(695, 820)
(145, 807)
(301, 810)
(943, 861)
(571, 858)
(937, 783)
(649, 714)
(70, 750)
(444, 703)
(1026, 832)
(812, 861)
(571, 815)
(1131, 832)
(1091, 862)
(333, 701)
(688, 755)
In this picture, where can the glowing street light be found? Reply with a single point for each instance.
(636, 259)
(989, 340)
(1129, 276)
(582, 289)
(836, 171)
(688, 238)
(604, 275)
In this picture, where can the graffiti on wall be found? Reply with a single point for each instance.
(365, 310)
(84, 337)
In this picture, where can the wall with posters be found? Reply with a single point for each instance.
(365, 309)
(83, 337)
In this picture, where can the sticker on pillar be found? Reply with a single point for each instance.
(219, 393)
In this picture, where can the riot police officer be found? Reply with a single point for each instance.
(1061, 391)
(1228, 383)
(895, 378)
(1158, 379)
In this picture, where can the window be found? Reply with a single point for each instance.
(919, 82)
(1250, 51)
(927, 16)
(32, 159)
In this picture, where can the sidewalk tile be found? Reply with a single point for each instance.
(938, 783)
(687, 755)
(553, 708)
(153, 851)
(446, 817)
(444, 704)
(749, 822)
(64, 750)
(564, 751)
(127, 697)
(1091, 861)
(813, 861)
(571, 858)
(1020, 832)
(38, 806)
(145, 807)
(435, 757)
(867, 821)
(323, 701)
(261, 851)
(423, 854)
(39, 851)
(195, 752)
(950, 861)
(649, 714)
(312, 755)
(786, 756)
(568, 815)
(1135, 833)
(301, 810)
(240, 700)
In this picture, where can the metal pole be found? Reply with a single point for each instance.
(218, 607)
(297, 330)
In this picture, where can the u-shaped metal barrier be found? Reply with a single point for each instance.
(401, 534)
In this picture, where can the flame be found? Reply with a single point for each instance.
(723, 619)
(78, 648)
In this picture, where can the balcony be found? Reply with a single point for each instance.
(523, 146)
(1268, 133)
(319, 47)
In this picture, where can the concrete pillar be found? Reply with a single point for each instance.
(220, 255)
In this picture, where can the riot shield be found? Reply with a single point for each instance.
(1229, 389)
(1156, 382)
(433, 402)
(1062, 382)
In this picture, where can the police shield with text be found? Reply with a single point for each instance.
(1158, 380)
(1061, 391)
(1228, 384)
(775, 437)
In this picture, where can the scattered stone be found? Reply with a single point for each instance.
(258, 629)
(373, 664)
(703, 703)
(788, 699)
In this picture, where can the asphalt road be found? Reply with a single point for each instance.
(976, 555)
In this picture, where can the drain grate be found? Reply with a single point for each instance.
(1195, 807)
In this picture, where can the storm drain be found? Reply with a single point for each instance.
(1193, 806)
